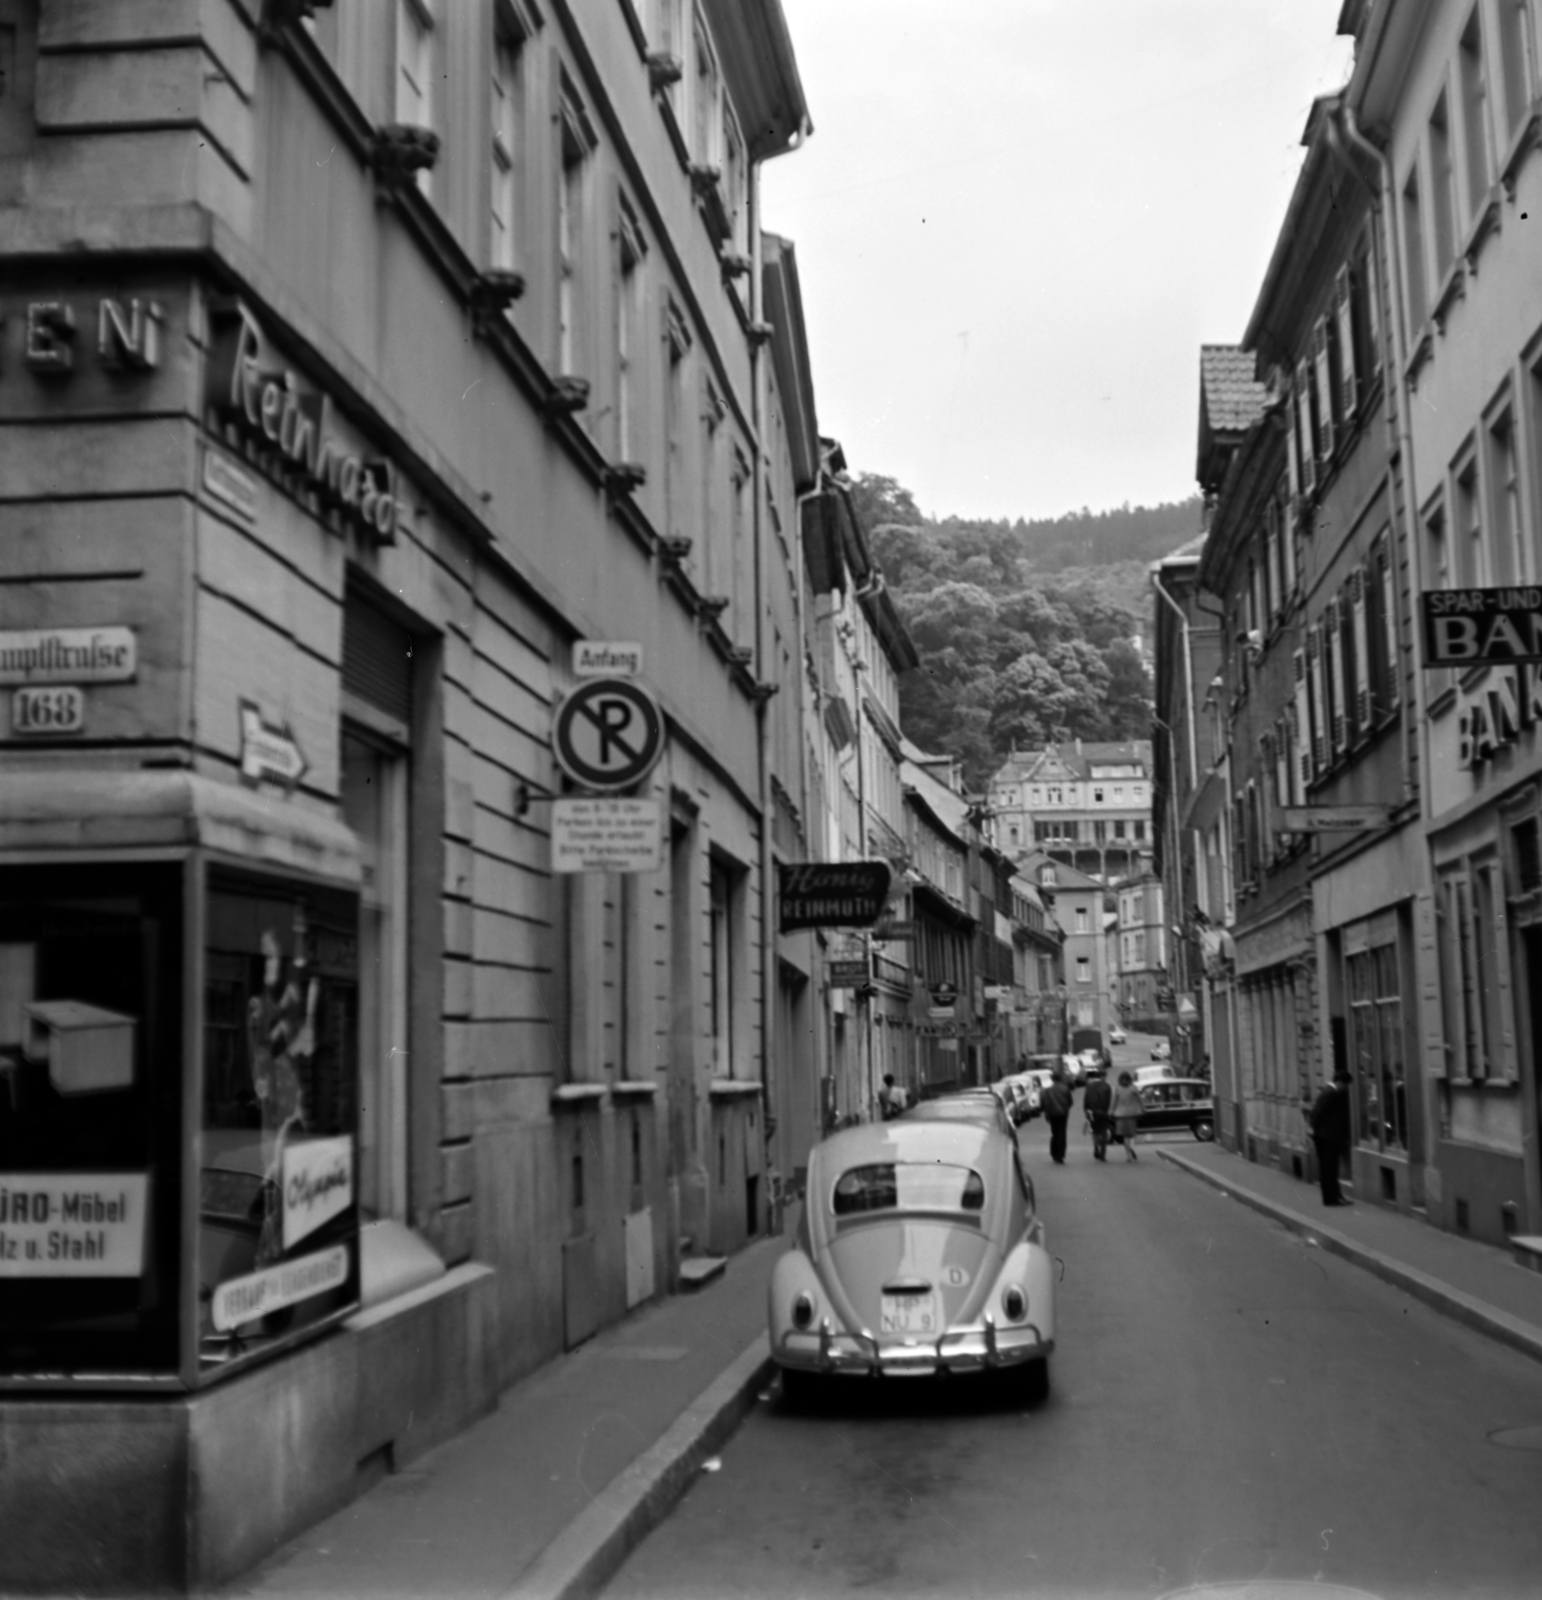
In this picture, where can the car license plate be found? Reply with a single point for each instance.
(910, 1313)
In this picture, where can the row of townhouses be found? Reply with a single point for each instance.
(1349, 831)
(432, 629)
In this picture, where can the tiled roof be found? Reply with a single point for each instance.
(1231, 396)
(1028, 764)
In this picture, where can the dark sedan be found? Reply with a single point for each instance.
(1178, 1104)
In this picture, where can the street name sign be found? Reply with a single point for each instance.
(1334, 819)
(608, 733)
(1478, 627)
(68, 655)
(591, 835)
(831, 894)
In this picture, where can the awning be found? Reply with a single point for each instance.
(53, 810)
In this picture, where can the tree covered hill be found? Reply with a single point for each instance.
(1024, 629)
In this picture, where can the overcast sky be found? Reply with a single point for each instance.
(1017, 221)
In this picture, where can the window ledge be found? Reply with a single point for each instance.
(575, 1096)
(1423, 350)
(732, 1088)
(1452, 288)
(1484, 226)
(634, 1089)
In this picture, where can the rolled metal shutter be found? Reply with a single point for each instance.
(377, 659)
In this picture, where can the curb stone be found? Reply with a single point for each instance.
(1464, 1308)
(590, 1550)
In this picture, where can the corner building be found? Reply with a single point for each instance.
(357, 364)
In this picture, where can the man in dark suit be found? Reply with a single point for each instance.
(1329, 1122)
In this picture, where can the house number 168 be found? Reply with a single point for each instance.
(44, 711)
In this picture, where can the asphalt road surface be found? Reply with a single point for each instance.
(1229, 1406)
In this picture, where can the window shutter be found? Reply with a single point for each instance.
(1300, 755)
(1304, 428)
(1288, 545)
(1292, 449)
(1319, 685)
(1322, 361)
(1363, 711)
(1332, 626)
(1349, 391)
(1271, 562)
(1370, 303)
(377, 659)
(1389, 621)
(1282, 761)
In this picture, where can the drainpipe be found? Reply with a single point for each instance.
(1397, 339)
(771, 1202)
(1188, 678)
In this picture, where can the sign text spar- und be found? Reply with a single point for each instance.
(1469, 627)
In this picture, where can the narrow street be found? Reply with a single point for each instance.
(1228, 1403)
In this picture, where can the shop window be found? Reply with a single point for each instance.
(278, 1185)
(1376, 1047)
(91, 1129)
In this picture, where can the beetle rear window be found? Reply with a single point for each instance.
(908, 1186)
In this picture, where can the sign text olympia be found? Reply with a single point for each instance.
(608, 733)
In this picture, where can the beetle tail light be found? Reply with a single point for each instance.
(1014, 1303)
(803, 1311)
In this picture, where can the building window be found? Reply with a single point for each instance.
(1474, 90)
(1511, 560)
(1418, 305)
(508, 121)
(706, 90)
(629, 319)
(1474, 566)
(1442, 188)
(724, 952)
(1376, 1047)
(575, 141)
(1470, 944)
(1517, 62)
(1083, 969)
(1082, 925)
(415, 70)
(1140, 829)
(677, 343)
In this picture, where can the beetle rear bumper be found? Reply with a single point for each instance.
(987, 1348)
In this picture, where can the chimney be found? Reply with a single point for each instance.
(1078, 747)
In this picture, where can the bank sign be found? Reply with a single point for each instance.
(1481, 627)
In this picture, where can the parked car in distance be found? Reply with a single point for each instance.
(1117, 1035)
(919, 1252)
(963, 1105)
(1161, 1050)
(1145, 1075)
(1020, 1095)
(1174, 1103)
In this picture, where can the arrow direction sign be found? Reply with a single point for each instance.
(1334, 819)
(267, 753)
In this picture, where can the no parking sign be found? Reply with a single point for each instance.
(608, 733)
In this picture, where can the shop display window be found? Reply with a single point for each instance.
(90, 1119)
(278, 1184)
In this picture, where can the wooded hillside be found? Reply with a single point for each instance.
(1024, 629)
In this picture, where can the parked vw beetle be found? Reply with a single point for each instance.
(919, 1253)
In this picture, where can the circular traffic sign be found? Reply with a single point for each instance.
(608, 733)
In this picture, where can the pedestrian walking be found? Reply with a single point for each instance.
(1125, 1110)
(1329, 1122)
(1058, 1104)
(1097, 1097)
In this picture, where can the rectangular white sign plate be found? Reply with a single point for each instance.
(607, 835)
(239, 1300)
(318, 1184)
(73, 1224)
(606, 658)
(43, 710)
(68, 655)
(1333, 819)
(230, 485)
